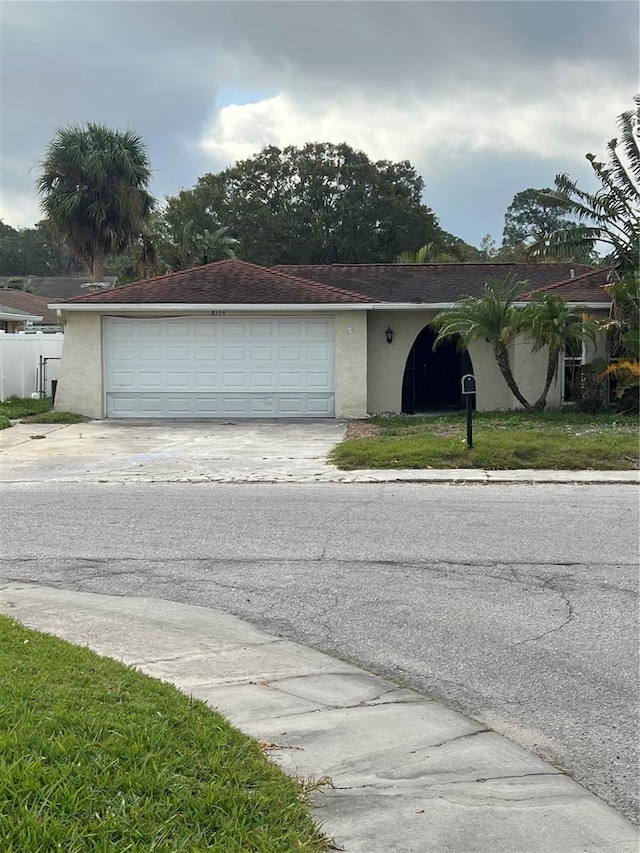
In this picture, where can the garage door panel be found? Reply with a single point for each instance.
(235, 354)
(150, 380)
(260, 354)
(178, 380)
(145, 353)
(320, 329)
(122, 353)
(145, 330)
(233, 329)
(317, 353)
(318, 380)
(201, 353)
(177, 329)
(262, 381)
(251, 367)
(235, 381)
(289, 353)
(261, 329)
(208, 379)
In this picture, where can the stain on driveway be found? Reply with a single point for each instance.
(161, 451)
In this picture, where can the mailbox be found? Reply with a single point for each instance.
(468, 384)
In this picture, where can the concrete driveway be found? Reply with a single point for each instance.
(245, 451)
(169, 451)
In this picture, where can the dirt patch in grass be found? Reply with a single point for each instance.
(362, 429)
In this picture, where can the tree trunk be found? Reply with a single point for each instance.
(552, 366)
(502, 358)
(97, 269)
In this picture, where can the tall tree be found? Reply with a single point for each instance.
(321, 203)
(94, 192)
(531, 218)
(32, 251)
(611, 215)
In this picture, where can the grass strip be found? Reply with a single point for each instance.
(96, 756)
(501, 441)
(21, 407)
(36, 411)
(54, 418)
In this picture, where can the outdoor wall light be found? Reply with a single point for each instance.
(389, 334)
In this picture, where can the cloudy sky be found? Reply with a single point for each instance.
(484, 98)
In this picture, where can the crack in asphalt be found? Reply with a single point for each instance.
(552, 585)
(508, 565)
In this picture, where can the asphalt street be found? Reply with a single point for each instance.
(514, 604)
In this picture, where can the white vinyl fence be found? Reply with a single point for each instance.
(22, 356)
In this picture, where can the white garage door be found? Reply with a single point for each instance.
(219, 367)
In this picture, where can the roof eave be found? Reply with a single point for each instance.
(160, 307)
(19, 317)
(271, 307)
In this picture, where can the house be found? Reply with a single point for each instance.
(54, 286)
(12, 320)
(19, 300)
(232, 339)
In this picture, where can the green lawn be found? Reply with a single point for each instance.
(95, 756)
(501, 441)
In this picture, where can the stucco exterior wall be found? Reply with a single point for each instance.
(80, 386)
(386, 362)
(351, 364)
(492, 391)
(529, 370)
(598, 347)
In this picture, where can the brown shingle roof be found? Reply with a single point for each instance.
(226, 282)
(588, 287)
(31, 304)
(433, 283)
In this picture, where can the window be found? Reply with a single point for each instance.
(573, 360)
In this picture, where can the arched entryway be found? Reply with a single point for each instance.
(432, 378)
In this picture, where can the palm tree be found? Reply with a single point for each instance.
(623, 329)
(493, 317)
(550, 322)
(430, 253)
(191, 248)
(94, 191)
(611, 215)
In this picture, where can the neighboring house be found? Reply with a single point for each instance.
(55, 286)
(12, 320)
(232, 339)
(19, 300)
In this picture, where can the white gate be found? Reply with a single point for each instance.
(20, 356)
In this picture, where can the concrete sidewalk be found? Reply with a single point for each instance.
(408, 774)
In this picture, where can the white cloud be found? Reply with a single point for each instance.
(19, 209)
(421, 128)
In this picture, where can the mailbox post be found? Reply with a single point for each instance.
(468, 390)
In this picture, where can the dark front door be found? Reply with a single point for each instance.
(432, 379)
